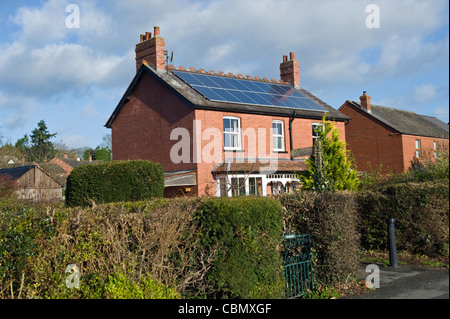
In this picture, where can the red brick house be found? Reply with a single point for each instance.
(67, 164)
(217, 134)
(378, 135)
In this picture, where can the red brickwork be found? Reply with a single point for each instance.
(372, 143)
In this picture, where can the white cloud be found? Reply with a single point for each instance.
(337, 53)
(42, 25)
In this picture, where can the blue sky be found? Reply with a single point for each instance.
(74, 78)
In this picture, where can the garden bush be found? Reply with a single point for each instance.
(243, 233)
(421, 211)
(114, 182)
(332, 222)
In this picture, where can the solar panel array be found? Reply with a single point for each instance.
(232, 90)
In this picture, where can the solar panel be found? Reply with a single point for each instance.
(222, 89)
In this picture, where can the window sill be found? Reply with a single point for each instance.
(234, 151)
(280, 152)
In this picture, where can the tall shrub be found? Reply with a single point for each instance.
(114, 182)
(331, 167)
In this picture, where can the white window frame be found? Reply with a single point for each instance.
(435, 148)
(238, 134)
(313, 126)
(276, 136)
(418, 145)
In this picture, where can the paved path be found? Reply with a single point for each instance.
(408, 282)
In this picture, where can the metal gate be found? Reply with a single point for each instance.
(297, 264)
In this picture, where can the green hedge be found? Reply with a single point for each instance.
(421, 211)
(332, 221)
(207, 247)
(243, 233)
(202, 248)
(114, 182)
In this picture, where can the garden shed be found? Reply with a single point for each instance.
(33, 183)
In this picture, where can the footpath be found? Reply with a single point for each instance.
(407, 282)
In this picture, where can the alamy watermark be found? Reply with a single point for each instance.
(208, 144)
(73, 19)
(373, 279)
(73, 280)
(373, 19)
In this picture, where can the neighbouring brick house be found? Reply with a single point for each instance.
(378, 135)
(217, 134)
(68, 164)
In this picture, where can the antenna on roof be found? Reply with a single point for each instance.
(166, 54)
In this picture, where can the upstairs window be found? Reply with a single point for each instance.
(278, 135)
(418, 148)
(232, 133)
(315, 128)
(435, 148)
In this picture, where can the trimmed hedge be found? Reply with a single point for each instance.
(212, 248)
(243, 233)
(114, 181)
(421, 211)
(207, 247)
(332, 222)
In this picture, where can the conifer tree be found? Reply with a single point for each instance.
(331, 167)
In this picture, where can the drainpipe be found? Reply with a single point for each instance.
(290, 134)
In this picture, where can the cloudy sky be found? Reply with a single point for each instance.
(73, 78)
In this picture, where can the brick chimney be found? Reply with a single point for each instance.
(365, 102)
(151, 50)
(290, 70)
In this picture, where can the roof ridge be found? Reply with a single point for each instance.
(223, 74)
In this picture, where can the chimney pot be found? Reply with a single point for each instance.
(291, 56)
(142, 37)
(156, 31)
(285, 58)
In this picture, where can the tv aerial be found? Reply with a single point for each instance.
(168, 59)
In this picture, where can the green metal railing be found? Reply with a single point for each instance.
(297, 264)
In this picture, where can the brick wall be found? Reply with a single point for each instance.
(426, 148)
(371, 143)
(250, 123)
(142, 128)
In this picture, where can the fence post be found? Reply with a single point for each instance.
(392, 243)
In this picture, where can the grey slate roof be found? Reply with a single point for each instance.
(200, 102)
(16, 172)
(407, 122)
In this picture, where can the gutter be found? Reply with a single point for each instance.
(291, 143)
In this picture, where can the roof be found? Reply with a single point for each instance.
(187, 178)
(281, 167)
(16, 172)
(75, 162)
(406, 122)
(198, 101)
